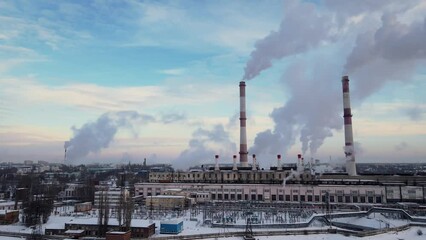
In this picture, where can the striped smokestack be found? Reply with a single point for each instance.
(349, 139)
(243, 133)
(234, 167)
(216, 166)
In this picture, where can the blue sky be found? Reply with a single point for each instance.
(177, 64)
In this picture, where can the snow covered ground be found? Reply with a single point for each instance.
(410, 234)
(375, 220)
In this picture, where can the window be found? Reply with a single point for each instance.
(281, 197)
(309, 198)
(295, 198)
(274, 197)
(348, 199)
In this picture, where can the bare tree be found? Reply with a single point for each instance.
(120, 207)
(103, 213)
(128, 212)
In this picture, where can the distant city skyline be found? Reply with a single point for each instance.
(120, 81)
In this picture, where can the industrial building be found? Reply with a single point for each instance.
(286, 183)
(111, 197)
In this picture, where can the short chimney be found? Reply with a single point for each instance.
(235, 168)
(254, 163)
(279, 167)
(216, 167)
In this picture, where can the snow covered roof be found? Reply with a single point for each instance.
(172, 221)
(167, 196)
(111, 222)
(79, 231)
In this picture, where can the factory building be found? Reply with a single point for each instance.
(286, 183)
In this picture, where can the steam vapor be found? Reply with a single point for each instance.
(94, 136)
(205, 143)
(390, 52)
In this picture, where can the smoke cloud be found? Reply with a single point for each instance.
(301, 116)
(388, 51)
(204, 145)
(302, 28)
(94, 136)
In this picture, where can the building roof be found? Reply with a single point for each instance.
(172, 221)
(167, 196)
(111, 221)
(78, 231)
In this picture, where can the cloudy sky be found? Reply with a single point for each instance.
(120, 81)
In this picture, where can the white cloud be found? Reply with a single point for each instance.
(173, 71)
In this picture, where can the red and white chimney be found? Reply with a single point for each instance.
(216, 167)
(349, 139)
(279, 167)
(243, 133)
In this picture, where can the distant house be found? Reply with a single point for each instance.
(166, 202)
(83, 207)
(10, 205)
(115, 235)
(9, 216)
(139, 228)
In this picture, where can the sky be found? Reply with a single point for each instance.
(121, 81)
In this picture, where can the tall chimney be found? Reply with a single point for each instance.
(243, 133)
(349, 139)
(254, 163)
(279, 167)
(216, 167)
(234, 168)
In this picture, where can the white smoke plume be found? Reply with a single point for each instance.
(301, 115)
(204, 145)
(297, 33)
(390, 53)
(92, 137)
(383, 52)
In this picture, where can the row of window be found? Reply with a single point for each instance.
(302, 198)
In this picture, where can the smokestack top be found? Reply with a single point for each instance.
(299, 156)
(279, 156)
(345, 78)
(216, 156)
(242, 83)
(235, 156)
(254, 155)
